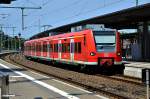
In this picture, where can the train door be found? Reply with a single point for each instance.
(48, 49)
(41, 45)
(44, 48)
(35, 49)
(72, 50)
(79, 49)
(51, 50)
(59, 49)
(31, 49)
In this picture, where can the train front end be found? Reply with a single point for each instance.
(108, 49)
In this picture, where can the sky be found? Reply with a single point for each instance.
(55, 13)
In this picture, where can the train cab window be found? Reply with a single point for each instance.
(105, 41)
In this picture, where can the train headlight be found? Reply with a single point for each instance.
(92, 54)
(118, 54)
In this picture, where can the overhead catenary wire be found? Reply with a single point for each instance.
(81, 10)
(56, 10)
(89, 11)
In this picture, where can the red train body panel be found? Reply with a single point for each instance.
(84, 47)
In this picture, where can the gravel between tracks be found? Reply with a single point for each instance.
(130, 91)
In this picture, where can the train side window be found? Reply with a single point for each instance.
(84, 40)
(76, 48)
(25, 47)
(65, 45)
(44, 47)
(62, 48)
(33, 47)
(40, 48)
(36, 47)
(51, 47)
(55, 47)
(29, 48)
(79, 47)
(68, 47)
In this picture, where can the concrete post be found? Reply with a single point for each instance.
(4, 85)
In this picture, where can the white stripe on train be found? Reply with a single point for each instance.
(75, 61)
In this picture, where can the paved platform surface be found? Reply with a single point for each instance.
(137, 64)
(26, 84)
(134, 69)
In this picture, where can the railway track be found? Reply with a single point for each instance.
(105, 90)
(123, 78)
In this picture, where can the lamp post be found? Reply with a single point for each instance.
(137, 2)
(1, 39)
(19, 34)
(7, 40)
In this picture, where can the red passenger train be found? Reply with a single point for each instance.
(92, 48)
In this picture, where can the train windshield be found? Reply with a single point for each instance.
(105, 41)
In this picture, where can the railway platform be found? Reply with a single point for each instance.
(26, 84)
(134, 69)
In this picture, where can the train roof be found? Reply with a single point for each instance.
(60, 35)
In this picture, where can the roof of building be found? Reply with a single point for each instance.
(126, 18)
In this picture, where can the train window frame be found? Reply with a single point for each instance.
(97, 44)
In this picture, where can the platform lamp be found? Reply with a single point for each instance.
(19, 34)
